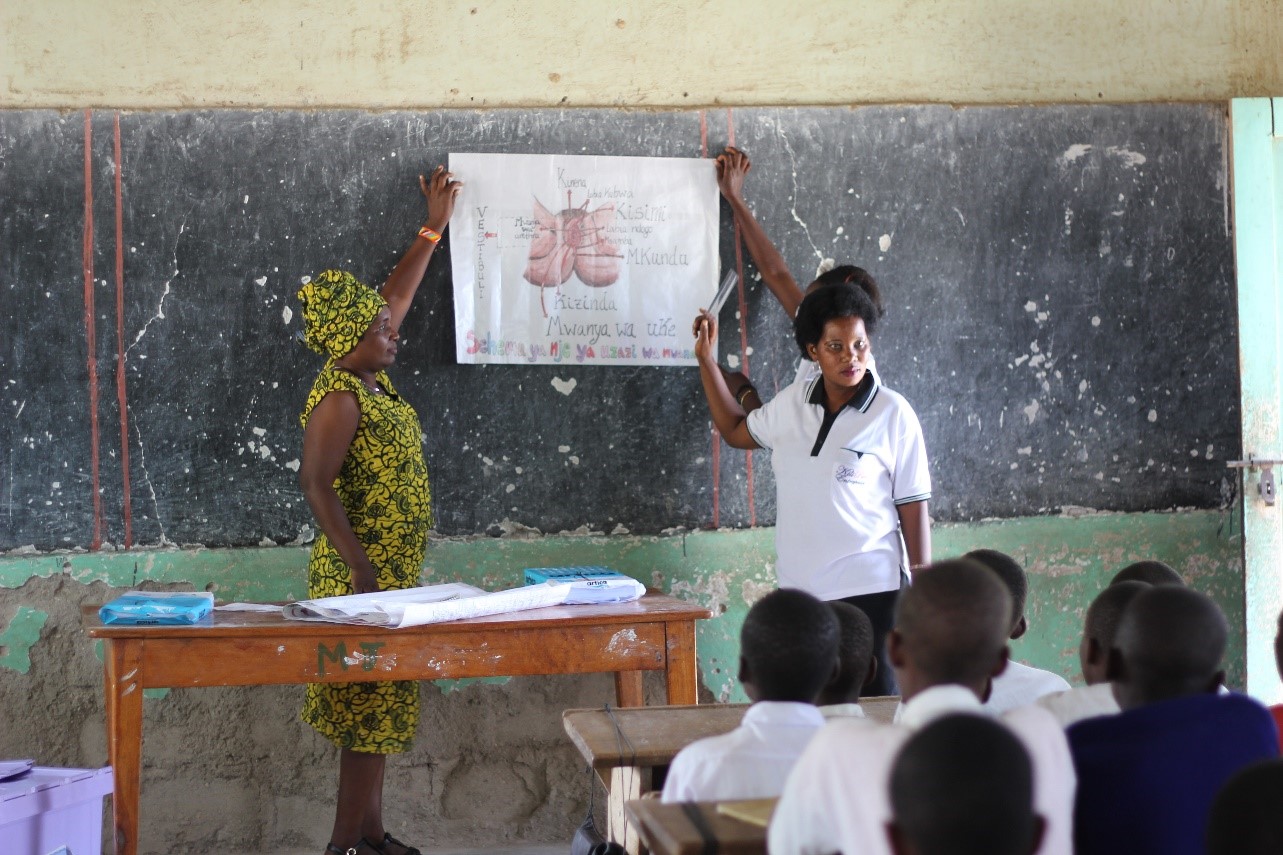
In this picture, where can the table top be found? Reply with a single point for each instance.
(668, 830)
(652, 608)
(652, 736)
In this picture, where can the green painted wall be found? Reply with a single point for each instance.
(1069, 559)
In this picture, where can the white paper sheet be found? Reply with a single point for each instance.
(581, 260)
(423, 605)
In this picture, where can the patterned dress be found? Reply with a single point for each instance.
(384, 489)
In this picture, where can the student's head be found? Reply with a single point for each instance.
(951, 626)
(1169, 644)
(963, 785)
(1245, 818)
(1149, 572)
(788, 647)
(849, 274)
(1013, 576)
(1101, 625)
(856, 664)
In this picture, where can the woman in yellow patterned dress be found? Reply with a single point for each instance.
(365, 479)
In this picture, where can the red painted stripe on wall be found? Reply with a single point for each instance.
(91, 337)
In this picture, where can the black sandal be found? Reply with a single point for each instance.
(351, 850)
(388, 838)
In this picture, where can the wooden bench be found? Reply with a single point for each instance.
(630, 749)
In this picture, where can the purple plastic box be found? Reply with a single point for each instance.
(49, 809)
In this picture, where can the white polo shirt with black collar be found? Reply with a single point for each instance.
(838, 479)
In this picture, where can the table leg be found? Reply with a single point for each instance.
(124, 696)
(681, 671)
(625, 786)
(628, 689)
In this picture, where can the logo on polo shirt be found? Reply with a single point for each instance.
(846, 474)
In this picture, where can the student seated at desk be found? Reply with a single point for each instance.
(788, 651)
(1148, 775)
(949, 640)
(840, 697)
(1018, 684)
(1099, 628)
(963, 785)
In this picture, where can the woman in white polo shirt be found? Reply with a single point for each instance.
(849, 460)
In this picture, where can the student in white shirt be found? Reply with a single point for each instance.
(949, 641)
(963, 785)
(1019, 684)
(788, 651)
(840, 697)
(1099, 627)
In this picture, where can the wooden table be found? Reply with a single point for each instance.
(668, 829)
(647, 740)
(655, 633)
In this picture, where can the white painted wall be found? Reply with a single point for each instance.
(662, 53)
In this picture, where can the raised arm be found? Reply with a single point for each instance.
(440, 192)
(730, 418)
(732, 166)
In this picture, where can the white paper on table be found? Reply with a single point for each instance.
(423, 605)
(576, 259)
(248, 607)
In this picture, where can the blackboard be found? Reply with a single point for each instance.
(1059, 282)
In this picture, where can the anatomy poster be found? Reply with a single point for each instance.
(573, 259)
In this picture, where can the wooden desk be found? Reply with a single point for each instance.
(649, 738)
(655, 633)
(667, 829)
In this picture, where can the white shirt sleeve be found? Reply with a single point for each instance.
(1055, 781)
(802, 821)
(678, 783)
(911, 480)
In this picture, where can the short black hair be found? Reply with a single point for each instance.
(1149, 572)
(789, 642)
(1245, 818)
(1011, 574)
(1101, 621)
(1171, 641)
(855, 653)
(955, 620)
(963, 785)
(852, 275)
(842, 300)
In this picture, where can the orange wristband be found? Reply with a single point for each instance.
(428, 234)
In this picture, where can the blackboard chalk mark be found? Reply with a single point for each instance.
(788, 146)
(151, 488)
(160, 306)
(1074, 152)
(91, 336)
(1129, 158)
(122, 397)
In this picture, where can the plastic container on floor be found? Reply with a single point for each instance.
(51, 810)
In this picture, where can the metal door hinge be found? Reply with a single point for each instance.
(1265, 485)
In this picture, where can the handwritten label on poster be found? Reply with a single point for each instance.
(574, 259)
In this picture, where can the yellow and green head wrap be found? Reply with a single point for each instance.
(337, 310)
